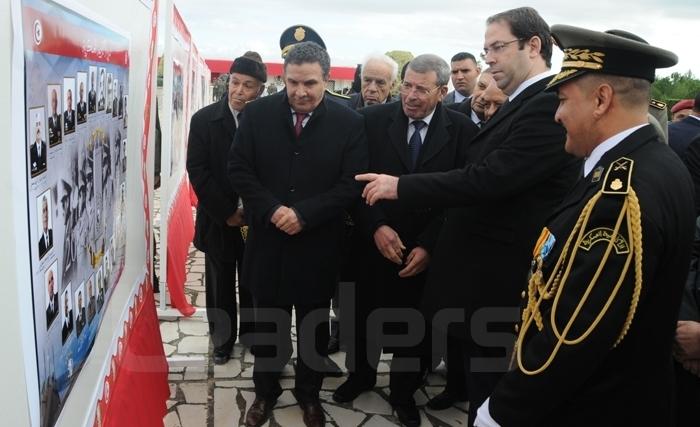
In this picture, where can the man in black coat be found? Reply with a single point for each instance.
(67, 325)
(520, 173)
(293, 161)
(37, 153)
(69, 114)
(219, 213)
(54, 120)
(412, 136)
(681, 133)
(609, 268)
(82, 105)
(46, 239)
(52, 302)
(92, 95)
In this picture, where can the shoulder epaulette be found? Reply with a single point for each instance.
(337, 94)
(619, 177)
(657, 104)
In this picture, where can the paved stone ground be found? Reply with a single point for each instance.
(219, 396)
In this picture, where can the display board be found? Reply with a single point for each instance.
(76, 94)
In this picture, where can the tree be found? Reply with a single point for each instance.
(220, 87)
(401, 57)
(675, 87)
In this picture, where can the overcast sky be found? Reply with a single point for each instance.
(224, 29)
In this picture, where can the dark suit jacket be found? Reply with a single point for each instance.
(68, 121)
(211, 134)
(82, 112)
(314, 175)
(51, 314)
(44, 245)
(681, 133)
(37, 162)
(444, 148)
(518, 174)
(692, 161)
(80, 321)
(55, 129)
(67, 328)
(114, 107)
(592, 383)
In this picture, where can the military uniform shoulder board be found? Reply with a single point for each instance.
(657, 104)
(337, 94)
(619, 177)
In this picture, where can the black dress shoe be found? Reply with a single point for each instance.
(331, 369)
(408, 415)
(350, 389)
(445, 400)
(259, 412)
(221, 357)
(313, 414)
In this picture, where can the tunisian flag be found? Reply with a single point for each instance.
(180, 234)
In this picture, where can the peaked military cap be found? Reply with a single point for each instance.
(297, 34)
(614, 52)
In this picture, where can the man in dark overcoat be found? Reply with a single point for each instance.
(219, 213)
(293, 161)
(608, 271)
(415, 135)
(520, 174)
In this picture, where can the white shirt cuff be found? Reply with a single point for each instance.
(483, 416)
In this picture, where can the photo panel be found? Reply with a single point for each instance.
(55, 102)
(66, 313)
(92, 89)
(101, 83)
(100, 287)
(110, 93)
(36, 141)
(115, 97)
(81, 103)
(80, 309)
(91, 299)
(44, 223)
(51, 287)
(69, 98)
(126, 98)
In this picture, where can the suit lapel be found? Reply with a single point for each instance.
(226, 118)
(437, 136)
(397, 134)
(510, 107)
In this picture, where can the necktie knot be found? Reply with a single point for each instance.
(418, 125)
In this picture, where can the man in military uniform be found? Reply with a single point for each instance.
(600, 308)
(303, 33)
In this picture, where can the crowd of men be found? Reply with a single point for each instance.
(532, 230)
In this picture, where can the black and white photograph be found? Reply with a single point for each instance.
(92, 89)
(36, 135)
(110, 93)
(80, 309)
(91, 299)
(100, 287)
(45, 225)
(81, 105)
(68, 102)
(66, 313)
(52, 304)
(101, 90)
(53, 93)
(115, 97)
(126, 114)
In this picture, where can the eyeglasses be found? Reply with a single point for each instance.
(421, 92)
(496, 48)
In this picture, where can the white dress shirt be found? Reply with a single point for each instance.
(424, 131)
(527, 83)
(605, 146)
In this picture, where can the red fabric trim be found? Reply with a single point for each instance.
(180, 234)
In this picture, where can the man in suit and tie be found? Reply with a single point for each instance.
(415, 135)
(82, 105)
(293, 160)
(465, 71)
(54, 120)
(52, 300)
(46, 239)
(91, 309)
(101, 100)
(69, 114)
(121, 101)
(520, 174)
(37, 152)
(92, 95)
(80, 320)
(219, 213)
(680, 133)
(67, 327)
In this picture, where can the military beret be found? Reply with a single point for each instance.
(297, 34)
(682, 105)
(249, 67)
(614, 52)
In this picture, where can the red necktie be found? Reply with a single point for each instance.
(298, 126)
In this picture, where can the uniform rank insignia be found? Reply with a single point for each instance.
(597, 174)
(604, 234)
(544, 244)
(618, 177)
(657, 104)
